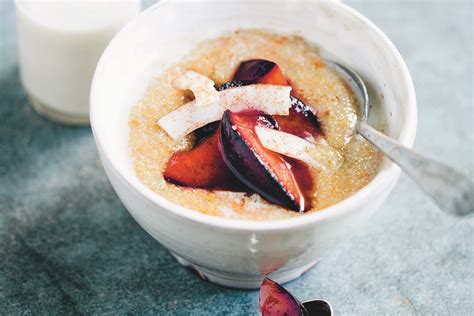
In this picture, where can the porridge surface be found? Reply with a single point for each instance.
(314, 82)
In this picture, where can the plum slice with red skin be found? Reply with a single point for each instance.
(260, 71)
(202, 167)
(276, 301)
(276, 178)
(301, 121)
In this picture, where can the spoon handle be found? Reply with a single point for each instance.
(449, 188)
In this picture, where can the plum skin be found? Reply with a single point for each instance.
(275, 300)
(253, 70)
(247, 167)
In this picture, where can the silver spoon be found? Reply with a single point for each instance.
(450, 189)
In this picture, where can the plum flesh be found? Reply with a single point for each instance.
(276, 301)
(202, 167)
(301, 121)
(276, 178)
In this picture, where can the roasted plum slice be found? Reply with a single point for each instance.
(278, 179)
(301, 121)
(260, 71)
(276, 301)
(202, 167)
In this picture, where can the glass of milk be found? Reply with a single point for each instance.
(60, 43)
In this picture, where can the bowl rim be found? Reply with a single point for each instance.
(380, 182)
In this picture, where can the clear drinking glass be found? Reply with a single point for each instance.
(60, 43)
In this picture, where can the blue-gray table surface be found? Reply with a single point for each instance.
(68, 245)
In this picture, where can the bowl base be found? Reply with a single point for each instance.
(242, 281)
(55, 115)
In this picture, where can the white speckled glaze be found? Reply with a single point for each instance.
(231, 252)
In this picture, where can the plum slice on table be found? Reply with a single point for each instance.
(278, 179)
(301, 121)
(276, 301)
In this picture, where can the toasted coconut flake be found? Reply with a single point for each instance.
(321, 155)
(202, 87)
(262, 97)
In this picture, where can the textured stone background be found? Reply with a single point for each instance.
(67, 244)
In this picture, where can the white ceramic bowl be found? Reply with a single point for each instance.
(231, 252)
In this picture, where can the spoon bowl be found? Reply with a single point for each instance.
(317, 307)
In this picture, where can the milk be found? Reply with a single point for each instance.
(60, 43)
